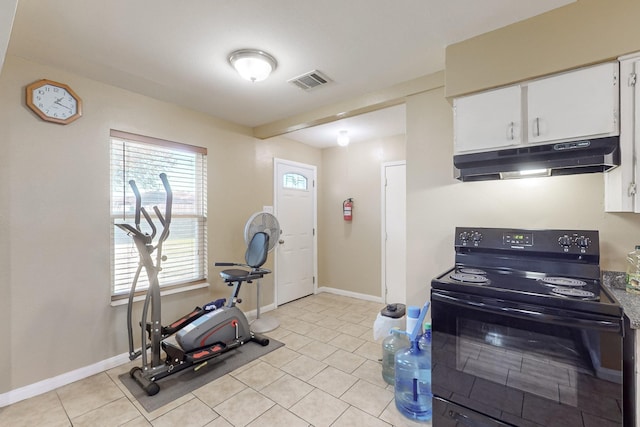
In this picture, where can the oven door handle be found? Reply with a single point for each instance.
(580, 320)
(464, 420)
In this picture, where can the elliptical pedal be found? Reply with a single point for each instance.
(175, 355)
(207, 352)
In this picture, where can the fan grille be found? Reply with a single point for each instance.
(310, 80)
(263, 222)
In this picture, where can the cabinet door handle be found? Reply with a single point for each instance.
(510, 134)
(536, 127)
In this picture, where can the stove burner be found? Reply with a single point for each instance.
(572, 292)
(466, 270)
(469, 278)
(563, 281)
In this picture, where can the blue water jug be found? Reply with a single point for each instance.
(413, 379)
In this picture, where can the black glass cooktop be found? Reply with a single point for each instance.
(574, 293)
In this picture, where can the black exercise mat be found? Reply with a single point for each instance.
(175, 386)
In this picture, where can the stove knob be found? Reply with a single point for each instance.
(583, 242)
(476, 236)
(565, 241)
(464, 236)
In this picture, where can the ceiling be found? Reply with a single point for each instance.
(177, 51)
(364, 127)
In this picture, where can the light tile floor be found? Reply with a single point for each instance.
(327, 374)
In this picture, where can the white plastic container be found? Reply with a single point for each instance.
(392, 316)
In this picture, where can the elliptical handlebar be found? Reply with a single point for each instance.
(166, 220)
(139, 207)
(149, 221)
(145, 246)
(169, 202)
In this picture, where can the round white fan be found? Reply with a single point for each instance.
(262, 222)
(268, 223)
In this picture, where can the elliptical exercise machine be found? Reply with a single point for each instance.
(201, 335)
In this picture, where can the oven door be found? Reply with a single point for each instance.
(498, 362)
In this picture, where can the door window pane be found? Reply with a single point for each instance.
(294, 181)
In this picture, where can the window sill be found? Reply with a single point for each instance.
(124, 301)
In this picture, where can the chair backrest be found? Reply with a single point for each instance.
(257, 251)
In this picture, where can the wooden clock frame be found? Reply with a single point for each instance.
(31, 102)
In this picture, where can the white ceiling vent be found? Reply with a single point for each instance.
(310, 80)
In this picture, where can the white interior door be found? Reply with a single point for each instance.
(394, 232)
(295, 208)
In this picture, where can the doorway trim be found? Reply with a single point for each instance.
(383, 225)
(278, 161)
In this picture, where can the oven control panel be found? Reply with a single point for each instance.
(517, 238)
(546, 241)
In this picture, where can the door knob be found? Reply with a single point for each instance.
(281, 241)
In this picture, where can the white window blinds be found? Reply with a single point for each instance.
(143, 159)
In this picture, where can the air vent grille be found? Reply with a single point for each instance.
(310, 80)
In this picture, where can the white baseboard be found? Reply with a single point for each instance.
(251, 315)
(49, 384)
(349, 294)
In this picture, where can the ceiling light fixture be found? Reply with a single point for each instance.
(343, 138)
(252, 64)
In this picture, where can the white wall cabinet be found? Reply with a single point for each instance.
(488, 120)
(620, 183)
(575, 105)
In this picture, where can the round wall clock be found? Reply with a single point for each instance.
(54, 102)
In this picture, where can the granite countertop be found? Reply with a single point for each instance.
(614, 281)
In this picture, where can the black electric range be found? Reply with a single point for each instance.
(524, 333)
(554, 268)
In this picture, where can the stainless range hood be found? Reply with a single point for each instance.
(564, 158)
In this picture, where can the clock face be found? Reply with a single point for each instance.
(55, 102)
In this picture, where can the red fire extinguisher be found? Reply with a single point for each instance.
(347, 209)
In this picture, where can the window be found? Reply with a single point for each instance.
(143, 159)
(294, 181)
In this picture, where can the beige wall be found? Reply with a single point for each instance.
(54, 217)
(350, 252)
(580, 33)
